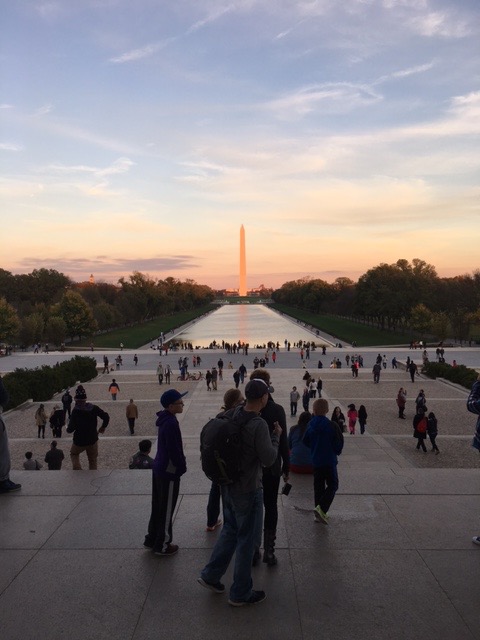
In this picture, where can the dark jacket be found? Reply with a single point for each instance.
(325, 440)
(141, 461)
(170, 460)
(83, 423)
(67, 400)
(362, 415)
(273, 412)
(54, 459)
(417, 418)
(432, 428)
(57, 420)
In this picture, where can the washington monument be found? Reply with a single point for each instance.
(242, 288)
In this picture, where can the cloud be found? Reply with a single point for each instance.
(405, 73)
(142, 52)
(438, 23)
(329, 97)
(44, 110)
(151, 49)
(212, 17)
(9, 146)
(110, 266)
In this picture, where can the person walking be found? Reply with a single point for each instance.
(236, 378)
(401, 402)
(41, 420)
(338, 418)
(362, 418)
(168, 467)
(131, 412)
(83, 425)
(57, 421)
(421, 401)
(319, 387)
(325, 440)
(412, 369)
(352, 415)
(160, 373)
(242, 502)
(114, 389)
(432, 431)
(54, 457)
(294, 398)
(168, 373)
(420, 429)
(377, 368)
(306, 397)
(214, 378)
(242, 369)
(67, 402)
(273, 414)
(208, 379)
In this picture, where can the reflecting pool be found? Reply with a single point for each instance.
(255, 324)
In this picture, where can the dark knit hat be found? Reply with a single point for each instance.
(80, 393)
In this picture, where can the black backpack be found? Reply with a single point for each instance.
(221, 449)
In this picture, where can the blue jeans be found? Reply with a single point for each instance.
(243, 514)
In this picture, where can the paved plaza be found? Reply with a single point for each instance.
(396, 560)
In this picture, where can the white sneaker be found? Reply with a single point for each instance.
(476, 540)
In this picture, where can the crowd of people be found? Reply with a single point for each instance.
(249, 508)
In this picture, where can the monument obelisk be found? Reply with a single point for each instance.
(242, 288)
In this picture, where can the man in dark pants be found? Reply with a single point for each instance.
(169, 465)
(412, 368)
(272, 413)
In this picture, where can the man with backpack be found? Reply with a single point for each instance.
(243, 500)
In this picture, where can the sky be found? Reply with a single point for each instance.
(139, 136)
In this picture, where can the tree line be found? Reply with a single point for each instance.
(47, 306)
(405, 296)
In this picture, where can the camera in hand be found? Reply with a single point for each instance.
(286, 489)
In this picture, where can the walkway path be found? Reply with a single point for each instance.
(395, 562)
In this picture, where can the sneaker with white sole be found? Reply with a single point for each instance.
(476, 540)
(217, 524)
(217, 587)
(171, 550)
(255, 598)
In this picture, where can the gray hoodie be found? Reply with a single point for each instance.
(259, 449)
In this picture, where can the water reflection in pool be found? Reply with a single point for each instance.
(250, 323)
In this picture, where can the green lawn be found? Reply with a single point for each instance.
(141, 334)
(345, 330)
